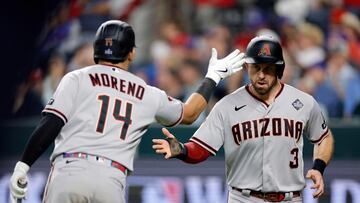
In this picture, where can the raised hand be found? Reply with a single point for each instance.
(219, 69)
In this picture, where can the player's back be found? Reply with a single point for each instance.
(106, 110)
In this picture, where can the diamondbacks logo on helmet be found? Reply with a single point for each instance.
(108, 42)
(265, 50)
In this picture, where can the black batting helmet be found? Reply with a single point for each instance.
(265, 49)
(114, 40)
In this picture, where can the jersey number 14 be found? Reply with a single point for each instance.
(116, 113)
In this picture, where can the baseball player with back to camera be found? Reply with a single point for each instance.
(261, 127)
(97, 117)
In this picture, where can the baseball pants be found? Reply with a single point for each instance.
(237, 197)
(83, 181)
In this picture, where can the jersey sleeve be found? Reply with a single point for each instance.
(170, 111)
(316, 128)
(210, 134)
(63, 99)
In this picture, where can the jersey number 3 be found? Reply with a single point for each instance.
(116, 113)
(295, 162)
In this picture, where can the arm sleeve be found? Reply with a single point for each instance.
(352, 96)
(316, 128)
(210, 134)
(170, 111)
(195, 153)
(43, 135)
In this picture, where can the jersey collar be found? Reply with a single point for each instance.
(247, 87)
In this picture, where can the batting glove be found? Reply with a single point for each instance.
(18, 181)
(221, 68)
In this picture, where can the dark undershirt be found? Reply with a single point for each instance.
(42, 137)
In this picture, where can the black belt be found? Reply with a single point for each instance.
(269, 196)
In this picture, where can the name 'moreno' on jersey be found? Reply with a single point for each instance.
(119, 84)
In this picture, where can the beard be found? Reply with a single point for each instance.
(265, 88)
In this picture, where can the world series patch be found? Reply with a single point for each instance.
(297, 104)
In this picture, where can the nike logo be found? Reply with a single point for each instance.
(69, 161)
(238, 108)
(223, 71)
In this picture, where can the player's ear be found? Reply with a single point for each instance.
(132, 54)
(246, 66)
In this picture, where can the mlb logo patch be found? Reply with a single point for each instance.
(297, 104)
(108, 52)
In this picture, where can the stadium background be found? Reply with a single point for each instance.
(42, 40)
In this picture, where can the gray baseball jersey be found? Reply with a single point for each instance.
(263, 143)
(106, 111)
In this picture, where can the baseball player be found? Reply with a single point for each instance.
(97, 117)
(261, 127)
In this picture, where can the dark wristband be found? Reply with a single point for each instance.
(183, 153)
(319, 165)
(206, 88)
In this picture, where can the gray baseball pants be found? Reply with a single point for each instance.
(84, 181)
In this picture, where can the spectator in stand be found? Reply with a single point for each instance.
(28, 101)
(308, 50)
(191, 77)
(82, 57)
(169, 81)
(351, 29)
(338, 68)
(352, 97)
(55, 71)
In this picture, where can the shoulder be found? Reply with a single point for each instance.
(154, 90)
(295, 94)
(72, 75)
(228, 101)
(293, 90)
(82, 71)
(234, 96)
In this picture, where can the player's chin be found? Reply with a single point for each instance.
(262, 88)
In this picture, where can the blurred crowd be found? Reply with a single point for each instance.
(321, 40)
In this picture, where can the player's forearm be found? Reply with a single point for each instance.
(193, 108)
(325, 149)
(197, 102)
(323, 153)
(42, 137)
